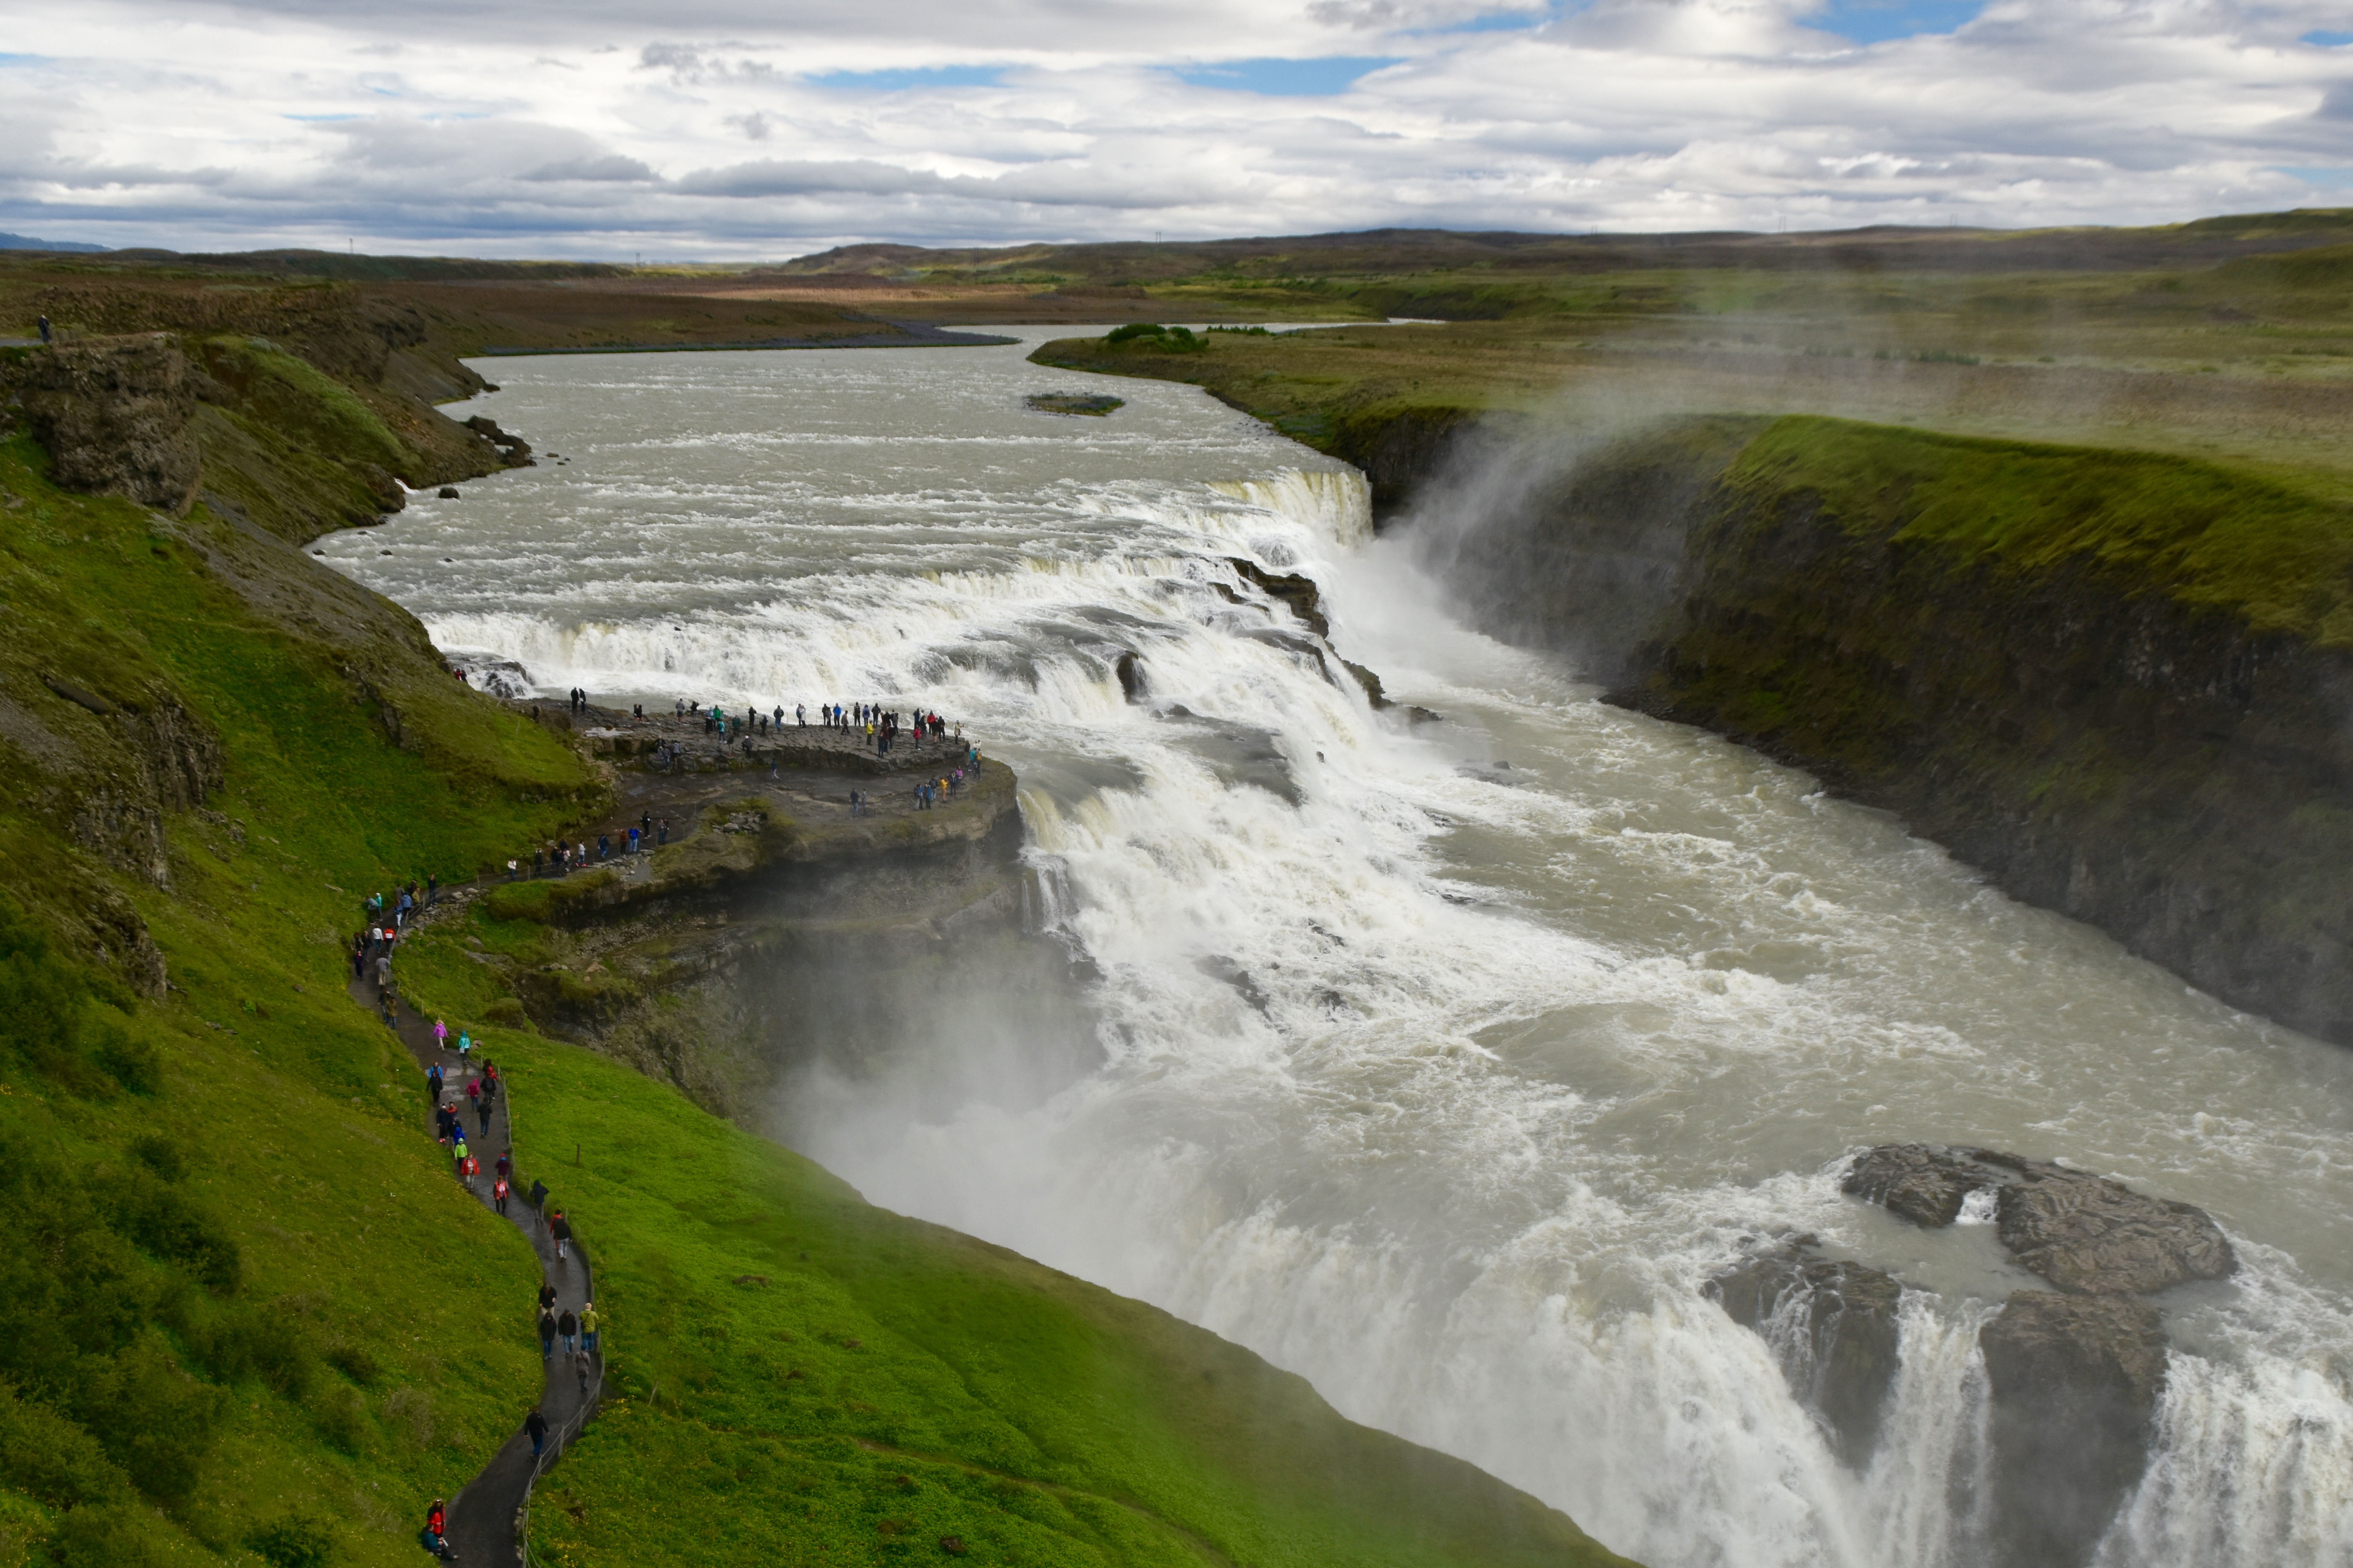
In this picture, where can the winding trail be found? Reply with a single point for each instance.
(485, 1516)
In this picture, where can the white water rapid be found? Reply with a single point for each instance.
(1444, 1083)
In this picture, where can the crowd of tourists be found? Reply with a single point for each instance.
(554, 858)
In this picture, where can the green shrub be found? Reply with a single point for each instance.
(152, 1417)
(295, 1540)
(167, 1224)
(261, 1342)
(132, 1062)
(355, 1360)
(343, 1418)
(44, 1455)
(111, 1535)
(71, 1286)
(161, 1156)
(1135, 330)
(50, 1020)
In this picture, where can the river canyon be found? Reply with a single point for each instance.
(1448, 1048)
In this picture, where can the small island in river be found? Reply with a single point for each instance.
(1090, 402)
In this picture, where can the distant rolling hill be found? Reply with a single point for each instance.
(26, 242)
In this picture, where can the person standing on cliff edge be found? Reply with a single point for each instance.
(45, 330)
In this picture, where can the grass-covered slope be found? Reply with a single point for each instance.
(804, 1378)
(245, 1303)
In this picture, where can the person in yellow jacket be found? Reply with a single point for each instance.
(588, 1326)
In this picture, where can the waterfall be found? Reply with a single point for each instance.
(1445, 1061)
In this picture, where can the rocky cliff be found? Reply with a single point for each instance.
(780, 935)
(2117, 683)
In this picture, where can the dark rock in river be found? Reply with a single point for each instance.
(2075, 1380)
(1831, 1326)
(447, 492)
(514, 451)
(1921, 1181)
(1297, 591)
(1132, 683)
(2083, 1233)
(1371, 682)
(2088, 1234)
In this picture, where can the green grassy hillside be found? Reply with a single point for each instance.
(240, 1288)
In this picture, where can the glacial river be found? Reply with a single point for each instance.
(1442, 1082)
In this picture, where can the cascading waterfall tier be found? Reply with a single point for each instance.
(1447, 1063)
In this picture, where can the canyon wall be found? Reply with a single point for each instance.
(2117, 683)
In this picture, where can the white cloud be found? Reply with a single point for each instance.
(606, 126)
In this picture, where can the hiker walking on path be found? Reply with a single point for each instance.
(567, 1328)
(589, 1328)
(560, 1228)
(435, 1536)
(499, 1193)
(546, 1337)
(536, 1424)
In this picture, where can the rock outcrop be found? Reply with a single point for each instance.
(2086, 1234)
(2075, 1374)
(703, 963)
(514, 451)
(2092, 1235)
(1923, 1184)
(1292, 588)
(1832, 1326)
(2074, 1382)
(113, 415)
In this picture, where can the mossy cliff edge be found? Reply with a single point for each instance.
(251, 1318)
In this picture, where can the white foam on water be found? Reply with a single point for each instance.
(1442, 1082)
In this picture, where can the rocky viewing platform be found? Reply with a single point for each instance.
(700, 747)
(762, 857)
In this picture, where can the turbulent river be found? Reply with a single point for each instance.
(1443, 1082)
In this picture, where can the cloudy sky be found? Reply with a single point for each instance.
(741, 129)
